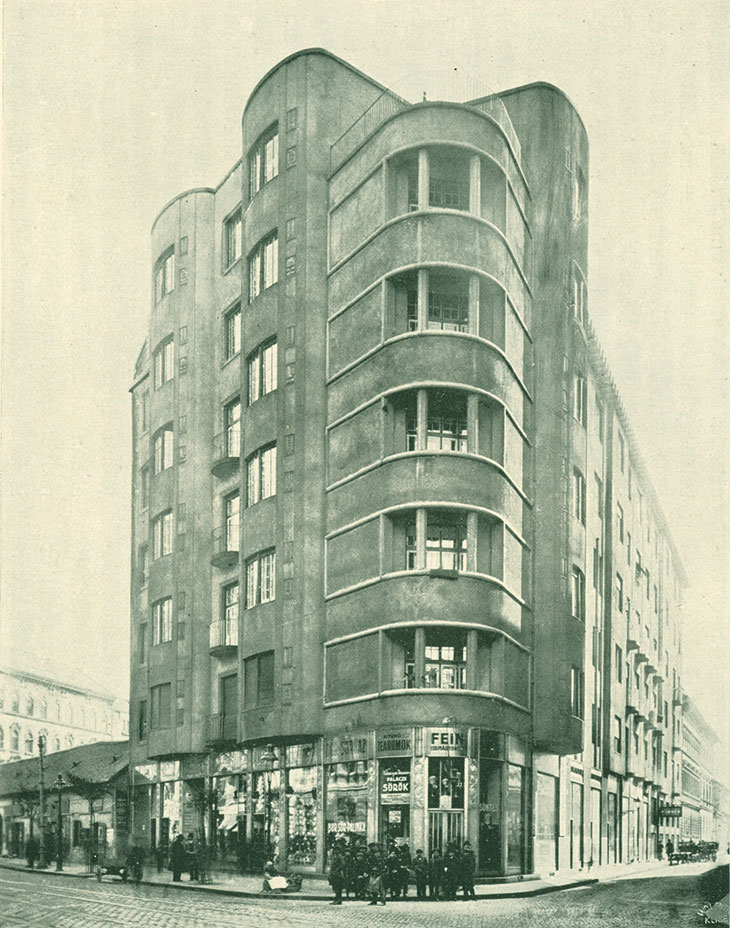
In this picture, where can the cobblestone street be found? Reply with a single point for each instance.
(666, 899)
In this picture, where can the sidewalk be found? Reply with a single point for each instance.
(318, 889)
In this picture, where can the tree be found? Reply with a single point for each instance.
(91, 792)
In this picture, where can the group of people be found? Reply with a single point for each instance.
(187, 856)
(372, 873)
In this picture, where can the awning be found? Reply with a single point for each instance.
(229, 820)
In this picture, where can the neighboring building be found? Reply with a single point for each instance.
(701, 791)
(34, 703)
(94, 806)
(388, 513)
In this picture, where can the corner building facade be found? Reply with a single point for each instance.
(375, 497)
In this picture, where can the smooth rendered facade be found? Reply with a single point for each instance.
(34, 703)
(388, 513)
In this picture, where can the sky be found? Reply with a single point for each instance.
(110, 109)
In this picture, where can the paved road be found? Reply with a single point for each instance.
(48, 901)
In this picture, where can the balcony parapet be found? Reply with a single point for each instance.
(223, 638)
(226, 453)
(222, 731)
(225, 547)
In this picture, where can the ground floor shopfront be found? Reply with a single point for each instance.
(522, 812)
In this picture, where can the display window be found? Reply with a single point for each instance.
(302, 816)
(395, 800)
(346, 802)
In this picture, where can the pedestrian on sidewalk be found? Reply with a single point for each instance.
(178, 858)
(191, 849)
(420, 868)
(32, 849)
(451, 876)
(467, 869)
(435, 874)
(337, 876)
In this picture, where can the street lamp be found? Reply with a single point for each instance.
(268, 758)
(42, 863)
(60, 783)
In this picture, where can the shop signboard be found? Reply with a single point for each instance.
(447, 742)
(145, 773)
(352, 745)
(394, 742)
(170, 770)
(346, 827)
(670, 811)
(395, 786)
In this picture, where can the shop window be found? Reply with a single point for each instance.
(347, 803)
(446, 782)
(302, 817)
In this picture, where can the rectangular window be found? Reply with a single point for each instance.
(263, 160)
(143, 562)
(232, 426)
(164, 363)
(162, 447)
(619, 661)
(259, 680)
(599, 495)
(620, 522)
(142, 643)
(617, 727)
(621, 451)
(448, 310)
(162, 621)
(232, 239)
(579, 399)
(445, 546)
(619, 593)
(142, 720)
(230, 613)
(145, 411)
(578, 594)
(165, 274)
(261, 475)
(263, 266)
(162, 535)
(579, 496)
(577, 690)
(160, 705)
(261, 578)
(144, 489)
(232, 333)
(232, 514)
(262, 371)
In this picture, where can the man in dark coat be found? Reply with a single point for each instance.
(32, 849)
(467, 869)
(178, 858)
(451, 875)
(337, 875)
(420, 868)
(435, 874)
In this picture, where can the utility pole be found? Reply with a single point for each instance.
(43, 863)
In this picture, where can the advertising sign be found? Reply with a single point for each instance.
(350, 746)
(447, 742)
(670, 811)
(395, 742)
(395, 786)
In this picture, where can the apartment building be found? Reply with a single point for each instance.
(398, 571)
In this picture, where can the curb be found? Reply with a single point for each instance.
(311, 897)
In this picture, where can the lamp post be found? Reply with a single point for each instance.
(268, 758)
(42, 863)
(60, 783)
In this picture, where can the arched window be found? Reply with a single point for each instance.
(29, 743)
(82, 719)
(56, 743)
(15, 703)
(29, 706)
(44, 709)
(69, 714)
(58, 711)
(69, 741)
(15, 738)
(92, 723)
(2, 738)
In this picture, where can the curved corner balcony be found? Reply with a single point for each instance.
(225, 546)
(226, 457)
(223, 638)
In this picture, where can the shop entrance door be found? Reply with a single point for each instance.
(444, 828)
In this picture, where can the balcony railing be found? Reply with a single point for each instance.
(226, 455)
(225, 546)
(223, 636)
(222, 729)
